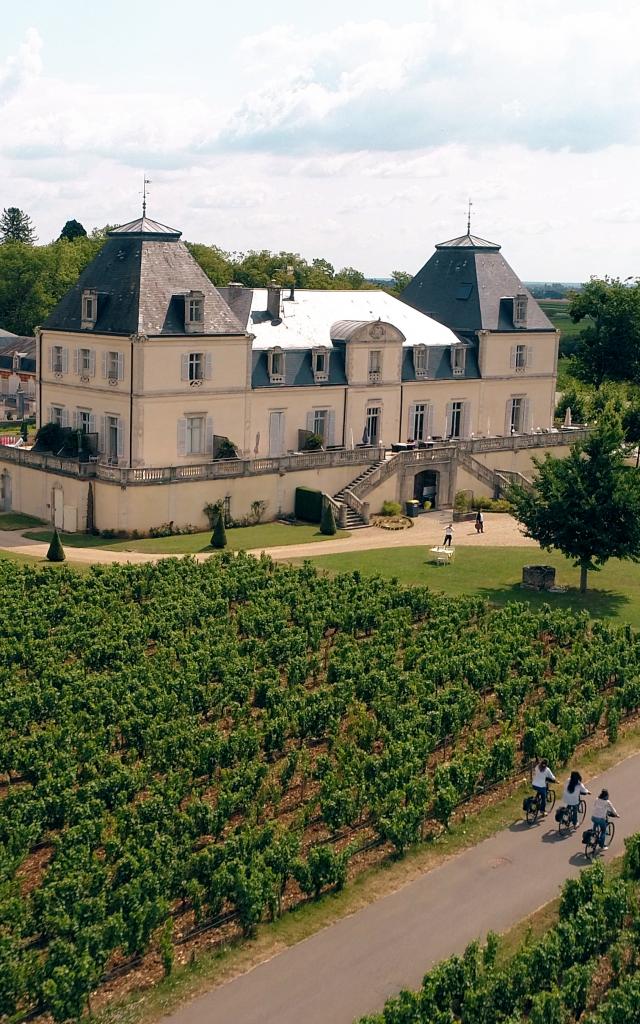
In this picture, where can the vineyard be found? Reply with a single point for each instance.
(586, 968)
(198, 747)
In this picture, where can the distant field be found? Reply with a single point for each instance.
(558, 312)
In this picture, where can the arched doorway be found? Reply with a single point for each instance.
(425, 487)
(5, 491)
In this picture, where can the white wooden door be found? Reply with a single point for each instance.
(58, 508)
(276, 434)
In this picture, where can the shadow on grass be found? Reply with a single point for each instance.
(600, 604)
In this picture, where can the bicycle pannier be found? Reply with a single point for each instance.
(587, 835)
(559, 813)
(528, 803)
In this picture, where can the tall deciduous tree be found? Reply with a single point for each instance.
(16, 226)
(609, 347)
(586, 505)
(73, 229)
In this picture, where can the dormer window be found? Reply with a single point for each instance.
(375, 365)
(320, 363)
(194, 313)
(420, 361)
(458, 358)
(520, 310)
(89, 309)
(276, 366)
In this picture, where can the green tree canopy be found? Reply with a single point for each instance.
(16, 226)
(586, 505)
(609, 344)
(72, 229)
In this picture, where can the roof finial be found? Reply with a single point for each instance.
(469, 218)
(146, 181)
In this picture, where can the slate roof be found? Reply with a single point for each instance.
(141, 276)
(464, 284)
(12, 343)
(439, 365)
(298, 372)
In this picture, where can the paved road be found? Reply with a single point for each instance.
(351, 967)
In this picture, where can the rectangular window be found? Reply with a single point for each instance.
(418, 425)
(375, 364)
(88, 308)
(372, 425)
(195, 435)
(57, 415)
(521, 357)
(520, 311)
(516, 424)
(85, 361)
(458, 355)
(420, 360)
(455, 426)
(196, 366)
(57, 363)
(83, 420)
(113, 365)
(320, 363)
(195, 310)
(320, 422)
(112, 437)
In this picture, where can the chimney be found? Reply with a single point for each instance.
(273, 301)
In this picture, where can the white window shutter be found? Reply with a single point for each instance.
(120, 439)
(208, 366)
(120, 365)
(65, 360)
(429, 420)
(452, 357)
(466, 416)
(512, 362)
(76, 360)
(525, 426)
(92, 424)
(331, 428)
(208, 441)
(529, 357)
(105, 364)
(65, 418)
(76, 420)
(310, 421)
(447, 419)
(184, 366)
(507, 417)
(182, 436)
(92, 363)
(49, 414)
(102, 437)
(51, 358)
(412, 420)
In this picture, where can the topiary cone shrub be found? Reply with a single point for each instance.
(56, 550)
(328, 521)
(219, 535)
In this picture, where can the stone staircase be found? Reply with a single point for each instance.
(353, 519)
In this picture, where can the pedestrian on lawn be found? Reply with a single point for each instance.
(573, 790)
(448, 536)
(542, 774)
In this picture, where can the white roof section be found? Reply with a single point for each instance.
(307, 319)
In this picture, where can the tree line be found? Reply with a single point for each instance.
(33, 278)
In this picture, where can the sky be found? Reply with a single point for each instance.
(352, 131)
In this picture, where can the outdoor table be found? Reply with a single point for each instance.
(443, 556)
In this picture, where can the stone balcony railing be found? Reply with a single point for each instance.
(295, 462)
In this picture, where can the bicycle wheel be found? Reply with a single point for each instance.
(551, 799)
(609, 833)
(582, 812)
(591, 847)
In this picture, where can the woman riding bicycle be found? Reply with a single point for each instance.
(603, 809)
(573, 791)
(542, 774)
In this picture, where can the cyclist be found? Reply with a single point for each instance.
(573, 790)
(603, 809)
(542, 774)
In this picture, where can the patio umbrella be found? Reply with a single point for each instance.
(567, 417)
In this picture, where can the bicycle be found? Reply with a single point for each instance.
(531, 805)
(591, 838)
(565, 822)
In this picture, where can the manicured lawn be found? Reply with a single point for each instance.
(496, 573)
(17, 521)
(267, 535)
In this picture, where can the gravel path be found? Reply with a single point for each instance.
(500, 531)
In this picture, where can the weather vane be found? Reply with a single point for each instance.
(469, 218)
(146, 181)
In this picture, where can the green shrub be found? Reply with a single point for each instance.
(56, 550)
(219, 535)
(313, 443)
(308, 504)
(391, 508)
(328, 521)
(462, 501)
(631, 862)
